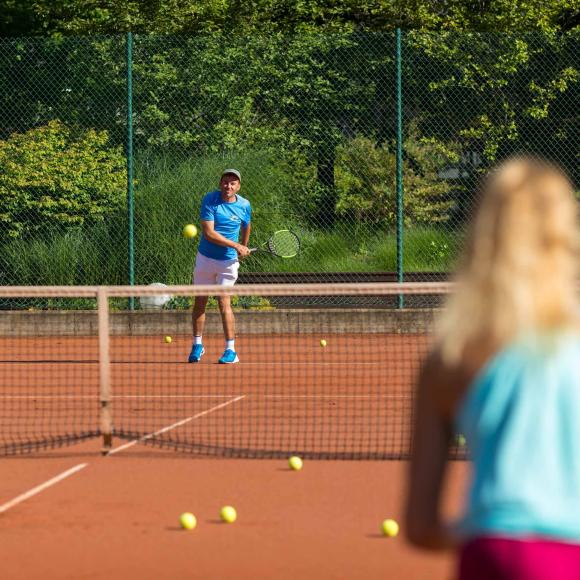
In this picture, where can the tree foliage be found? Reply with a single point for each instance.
(52, 178)
(366, 186)
(33, 17)
(310, 82)
(496, 93)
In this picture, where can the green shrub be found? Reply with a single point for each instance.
(55, 178)
(365, 182)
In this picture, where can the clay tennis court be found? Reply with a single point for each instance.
(117, 518)
(197, 437)
(290, 395)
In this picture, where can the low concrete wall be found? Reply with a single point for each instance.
(307, 321)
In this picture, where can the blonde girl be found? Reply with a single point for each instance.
(505, 372)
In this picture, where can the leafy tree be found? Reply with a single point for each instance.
(294, 91)
(495, 93)
(22, 17)
(77, 80)
(297, 95)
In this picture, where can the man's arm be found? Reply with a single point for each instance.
(245, 234)
(214, 237)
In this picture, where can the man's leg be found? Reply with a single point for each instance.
(198, 315)
(198, 323)
(228, 278)
(228, 320)
(202, 275)
(229, 325)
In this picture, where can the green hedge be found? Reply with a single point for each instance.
(55, 178)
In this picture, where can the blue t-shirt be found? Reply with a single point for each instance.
(227, 219)
(521, 417)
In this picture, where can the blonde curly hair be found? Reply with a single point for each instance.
(519, 271)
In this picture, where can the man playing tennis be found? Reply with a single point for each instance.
(225, 217)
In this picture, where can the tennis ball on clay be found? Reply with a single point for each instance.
(187, 521)
(228, 514)
(189, 231)
(295, 463)
(389, 528)
(323, 343)
(168, 339)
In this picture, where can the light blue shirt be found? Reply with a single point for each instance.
(228, 219)
(521, 418)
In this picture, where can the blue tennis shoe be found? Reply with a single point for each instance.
(229, 357)
(196, 353)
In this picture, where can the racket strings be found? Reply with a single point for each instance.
(284, 243)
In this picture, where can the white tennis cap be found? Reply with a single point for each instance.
(232, 172)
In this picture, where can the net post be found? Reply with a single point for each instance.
(104, 370)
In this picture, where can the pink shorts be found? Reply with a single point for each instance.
(511, 559)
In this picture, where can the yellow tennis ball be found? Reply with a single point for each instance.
(460, 440)
(168, 339)
(187, 521)
(190, 231)
(389, 528)
(323, 343)
(295, 463)
(228, 514)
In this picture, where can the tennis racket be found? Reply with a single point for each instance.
(283, 243)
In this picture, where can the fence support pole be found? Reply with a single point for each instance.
(130, 196)
(399, 178)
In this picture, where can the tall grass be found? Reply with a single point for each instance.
(424, 250)
(90, 256)
(167, 200)
(72, 258)
(168, 195)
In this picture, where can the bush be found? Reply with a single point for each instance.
(365, 182)
(55, 178)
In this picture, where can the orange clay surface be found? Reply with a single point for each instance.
(288, 393)
(117, 518)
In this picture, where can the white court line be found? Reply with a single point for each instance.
(77, 468)
(312, 364)
(145, 398)
(268, 363)
(35, 490)
(93, 398)
(330, 396)
(178, 424)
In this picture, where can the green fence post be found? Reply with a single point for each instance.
(399, 182)
(130, 197)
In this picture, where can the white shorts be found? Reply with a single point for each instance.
(210, 271)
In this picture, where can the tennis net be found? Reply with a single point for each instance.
(322, 383)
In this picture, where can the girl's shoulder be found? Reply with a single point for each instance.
(448, 384)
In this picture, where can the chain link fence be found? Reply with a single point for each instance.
(310, 121)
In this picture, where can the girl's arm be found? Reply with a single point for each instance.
(431, 437)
